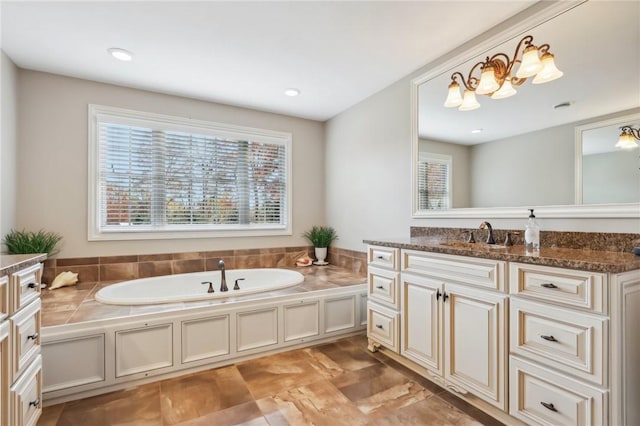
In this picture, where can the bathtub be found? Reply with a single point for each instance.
(189, 287)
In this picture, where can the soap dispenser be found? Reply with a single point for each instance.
(532, 235)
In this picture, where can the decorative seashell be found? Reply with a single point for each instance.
(304, 261)
(64, 279)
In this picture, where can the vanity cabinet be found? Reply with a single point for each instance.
(20, 359)
(383, 281)
(526, 342)
(453, 327)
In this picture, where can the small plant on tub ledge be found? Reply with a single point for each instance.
(321, 237)
(28, 242)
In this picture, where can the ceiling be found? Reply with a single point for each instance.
(596, 45)
(246, 53)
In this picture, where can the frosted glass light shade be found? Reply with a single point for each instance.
(531, 64)
(469, 101)
(505, 91)
(488, 83)
(549, 70)
(454, 98)
(626, 141)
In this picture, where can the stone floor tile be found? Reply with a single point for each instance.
(247, 414)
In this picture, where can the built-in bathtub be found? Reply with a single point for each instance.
(197, 286)
(120, 346)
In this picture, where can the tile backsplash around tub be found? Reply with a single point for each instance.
(113, 268)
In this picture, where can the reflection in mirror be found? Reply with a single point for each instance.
(609, 173)
(520, 151)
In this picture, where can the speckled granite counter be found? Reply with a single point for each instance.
(76, 304)
(588, 260)
(10, 263)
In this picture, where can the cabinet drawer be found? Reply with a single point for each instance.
(382, 326)
(26, 395)
(560, 338)
(484, 273)
(383, 257)
(568, 287)
(25, 329)
(541, 397)
(25, 286)
(383, 287)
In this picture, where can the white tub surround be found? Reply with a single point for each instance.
(117, 346)
(196, 286)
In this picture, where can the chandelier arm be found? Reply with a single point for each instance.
(544, 49)
(473, 81)
(464, 82)
(634, 132)
(527, 40)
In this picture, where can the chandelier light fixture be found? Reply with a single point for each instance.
(627, 139)
(496, 79)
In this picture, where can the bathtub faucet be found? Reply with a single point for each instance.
(223, 282)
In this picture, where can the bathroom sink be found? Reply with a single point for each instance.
(477, 246)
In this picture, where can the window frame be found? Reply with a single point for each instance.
(131, 117)
(430, 157)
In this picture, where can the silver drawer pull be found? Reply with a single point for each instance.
(32, 285)
(548, 285)
(379, 326)
(549, 338)
(549, 406)
(380, 287)
(35, 403)
(33, 336)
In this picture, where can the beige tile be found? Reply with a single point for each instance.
(118, 259)
(50, 319)
(154, 269)
(50, 415)
(77, 261)
(119, 271)
(154, 257)
(187, 265)
(196, 395)
(188, 255)
(247, 414)
(87, 273)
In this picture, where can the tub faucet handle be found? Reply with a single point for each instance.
(236, 286)
(210, 286)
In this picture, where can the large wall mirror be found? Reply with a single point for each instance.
(550, 146)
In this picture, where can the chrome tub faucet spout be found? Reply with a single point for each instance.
(487, 225)
(223, 282)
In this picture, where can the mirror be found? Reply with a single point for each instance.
(527, 150)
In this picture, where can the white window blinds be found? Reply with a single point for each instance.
(434, 181)
(159, 176)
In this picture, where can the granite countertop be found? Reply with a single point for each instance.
(76, 304)
(10, 263)
(584, 259)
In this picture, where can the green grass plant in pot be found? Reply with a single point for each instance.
(27, 242)
(321, 237)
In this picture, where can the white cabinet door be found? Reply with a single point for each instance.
(257, 329)
(58, 373)
(205, 338)
(301, 320)
(421, 336)
(5, 357)
(340, 314)
(474, 335)
(144, 349)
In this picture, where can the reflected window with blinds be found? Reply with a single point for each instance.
(152, 175)
(434, 181)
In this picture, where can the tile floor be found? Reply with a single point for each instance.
(338, 383)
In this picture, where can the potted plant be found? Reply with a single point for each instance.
(321, 237)
(27, 242)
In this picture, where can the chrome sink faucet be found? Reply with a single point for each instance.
(223, 282)
(487, 225)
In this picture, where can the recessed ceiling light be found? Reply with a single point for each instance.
(120, 54)
(476, 131)
(292, 92)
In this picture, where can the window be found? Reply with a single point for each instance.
(434, 181)
(154, 176)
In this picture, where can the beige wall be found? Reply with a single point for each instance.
(8, 145)
(461, 168)
(52, 160)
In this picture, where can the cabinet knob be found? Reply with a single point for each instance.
(33, 336)
(380, 287)
(32, 285)
(548, 285)
(438, 294)
(549, 406)
(35, 403)
(549, 338)
(379, 326)
(445, 296)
